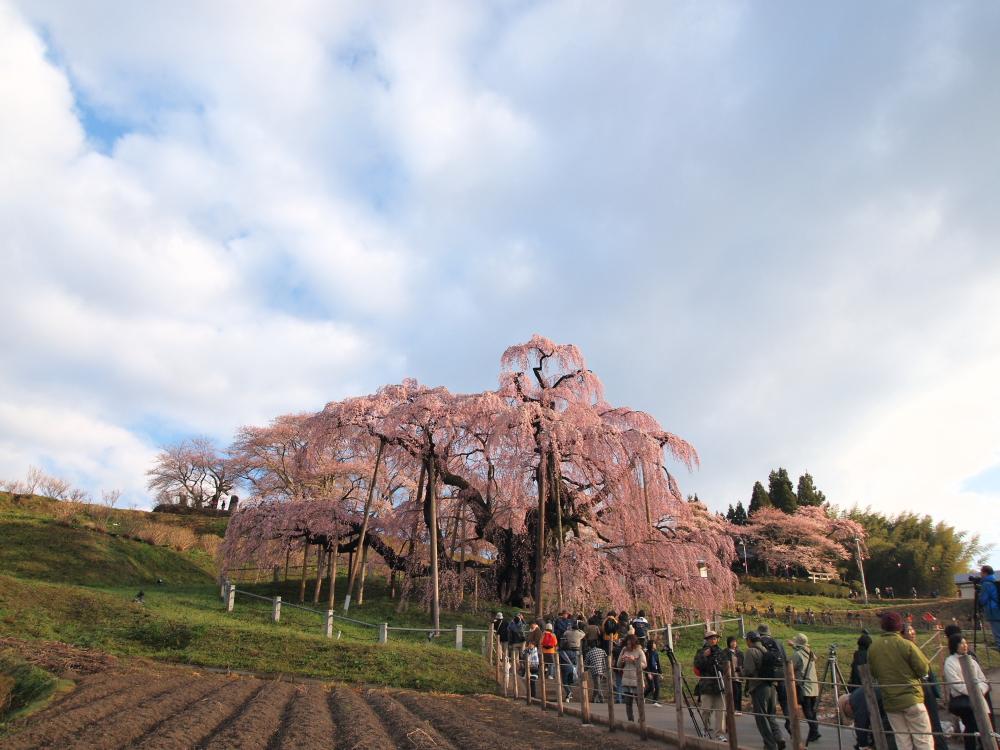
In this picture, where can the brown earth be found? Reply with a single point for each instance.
(135, 704)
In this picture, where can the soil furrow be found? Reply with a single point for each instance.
(145, 717)
(238, 710)
(358, 727)
(405, 728)
(90, 690)
(62, 729)
(259, 720)
(307, 722)
(188, 729)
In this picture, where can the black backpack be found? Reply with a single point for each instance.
(641, 628)
(772, 662)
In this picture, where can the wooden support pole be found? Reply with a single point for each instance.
(584, 692)
(559, 685)
(727, 680)
(611, 696)
(795, 713)
(435, 583)
(874, 714)
(364, 575)
(679, 704)
(276, 609)
(331, 573)
(319, 573)
(230, 597)
(541, 681)
(352, 578)
(383, 632)
(640, 683)
(979, 706)
(527, 677)
(302, 583)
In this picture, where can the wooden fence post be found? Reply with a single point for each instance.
(874, 714)
(640, 688)
(527, 677)
(276, 609)
(584, 691)
(727, 680)
(679, 704)
(541, 680)
(611, 696)
(979, 707)
(329, 623)
(793, 707)
(383, 632)
(458, 637)
(559, 685)
(230, 597)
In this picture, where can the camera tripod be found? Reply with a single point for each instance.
(688, 696)
(833, 675)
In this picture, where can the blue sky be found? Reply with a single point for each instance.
(772, 226)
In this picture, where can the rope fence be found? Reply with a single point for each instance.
(229, 592)
(589, 686)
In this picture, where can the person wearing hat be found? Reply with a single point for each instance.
(900, 666)
(762, 693)
(708, 661)
(806, 682)
(549, 646)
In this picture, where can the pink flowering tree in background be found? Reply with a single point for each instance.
(812, 539)
(542, 489)
(191, 472)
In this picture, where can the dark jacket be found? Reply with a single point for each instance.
(710, 668)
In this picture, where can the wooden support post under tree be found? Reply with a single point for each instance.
(585, 696)
(541, 681)
(319, 573)
(302, 583)
(356, 559)
(874, 713)
(331, 572)
(418, 505)
(554, 485)
(364, 575)
(540, 538)
(288, 557)
(435, 581)
(795, 713)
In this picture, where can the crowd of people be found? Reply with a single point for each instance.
(907, 690)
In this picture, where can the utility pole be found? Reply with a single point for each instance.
(861, 567)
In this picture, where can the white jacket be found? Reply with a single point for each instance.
(955, 682)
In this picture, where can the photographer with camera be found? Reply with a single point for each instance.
(989, 602)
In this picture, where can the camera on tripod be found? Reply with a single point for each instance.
(833, 649)
(975, 580)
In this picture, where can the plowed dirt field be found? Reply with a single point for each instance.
(147, 705)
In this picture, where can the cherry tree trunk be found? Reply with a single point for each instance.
(364, 523)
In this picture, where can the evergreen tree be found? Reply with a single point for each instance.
(759, 499)
(739, 515)
(781, 492)
(807, 492)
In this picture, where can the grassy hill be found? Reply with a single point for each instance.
(69, 574)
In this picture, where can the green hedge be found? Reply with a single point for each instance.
(796, 586)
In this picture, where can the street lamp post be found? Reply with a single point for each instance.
(861, 567)
(746, 567)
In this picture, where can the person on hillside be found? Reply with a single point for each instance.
(561, 624)
(989, 601)
(653, 672)
(596, 618)
(595, 661)
(708, 661)
(550, 645)
(631, 661)
(932, 694)
(567, 673)
(569, 647)
(806, 682)
(860, 657)
(736, 659)
(760, 678)
(959, 702)
(640, 626)
(900, 666)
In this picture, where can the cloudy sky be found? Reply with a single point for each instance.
(772, 225)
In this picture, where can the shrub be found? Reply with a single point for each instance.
(209, 543)
(175, 537)
(21, 684)
(796, 586)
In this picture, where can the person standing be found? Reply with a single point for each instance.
(860, 657)
(778, 651)
(806, 682)
(640, 626)
(653, 672)
(631, 661)
(595, 661)
(932, 693)
(989, 601)
(900, 666)
(736, 658)
(550, 645)
(959, 702)
(759, 669)
(708, 662)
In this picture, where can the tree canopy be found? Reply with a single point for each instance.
(541, 485)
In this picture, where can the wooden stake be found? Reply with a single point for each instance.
(874, 714)
(559, 685)
(730, 703)
(540, 538)
(611, 696)
(332, 571)
(679, 704)
(541, 680)
(641, 690)
(364, 574)
(288, 555)
(319, 573)
(979, 705)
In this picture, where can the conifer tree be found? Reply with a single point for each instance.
(807, 492)
(780, 489)
(759, 498)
